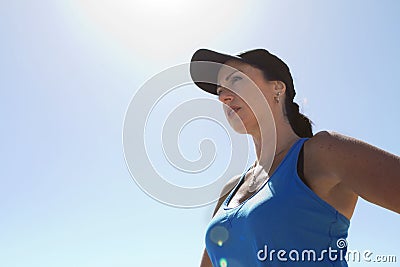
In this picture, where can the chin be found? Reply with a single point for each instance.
(238, 126)
(240, 130)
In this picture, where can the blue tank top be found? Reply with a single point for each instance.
(284, 223)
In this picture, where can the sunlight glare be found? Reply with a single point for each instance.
(159, 29)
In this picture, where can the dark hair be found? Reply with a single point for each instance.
(300, 123)
(273, 68)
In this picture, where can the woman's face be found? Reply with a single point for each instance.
(243, 82)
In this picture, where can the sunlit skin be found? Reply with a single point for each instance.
(242, 81)
(337, 168)
(245, 81)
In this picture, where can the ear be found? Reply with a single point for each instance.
(280, 87)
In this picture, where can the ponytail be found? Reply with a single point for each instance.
(301, 125)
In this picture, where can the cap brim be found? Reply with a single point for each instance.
(205, 75)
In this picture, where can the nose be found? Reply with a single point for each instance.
(225, 96)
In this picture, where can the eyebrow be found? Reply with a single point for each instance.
(227, 77)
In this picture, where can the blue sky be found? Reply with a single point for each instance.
(69, 69)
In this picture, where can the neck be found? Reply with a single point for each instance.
(285, 137)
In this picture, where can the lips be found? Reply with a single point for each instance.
(232, 109)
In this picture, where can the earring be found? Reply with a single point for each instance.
(276, 98)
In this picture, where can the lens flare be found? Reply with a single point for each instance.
(219, 235)
(223, 262)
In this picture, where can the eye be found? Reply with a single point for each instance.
(235, 79)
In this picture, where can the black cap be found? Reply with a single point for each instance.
(273, 67)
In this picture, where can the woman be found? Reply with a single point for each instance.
(296, 210)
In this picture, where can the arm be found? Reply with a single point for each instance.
(205, 260)
(368, 171)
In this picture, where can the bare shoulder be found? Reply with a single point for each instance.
(366, 170)
(328, 140)
(329, 145)
(316, 153)
(333, 138)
